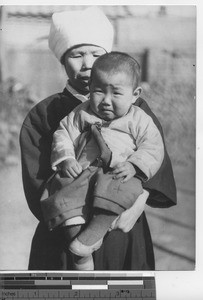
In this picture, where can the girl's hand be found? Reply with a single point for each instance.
(70, 168)
(128, 218)
(125, 170)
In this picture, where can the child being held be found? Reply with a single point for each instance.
(105, 148)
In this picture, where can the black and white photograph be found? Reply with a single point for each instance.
(90, 93)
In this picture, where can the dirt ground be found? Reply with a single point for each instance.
(173, 230)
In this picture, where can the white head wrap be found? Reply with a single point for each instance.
(72, 28)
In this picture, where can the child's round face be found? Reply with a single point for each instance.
(111, 95)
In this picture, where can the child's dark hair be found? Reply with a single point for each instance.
(115, 62)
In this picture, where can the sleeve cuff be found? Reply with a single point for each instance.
(140, 175)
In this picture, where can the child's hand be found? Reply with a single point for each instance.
(125, 170)
(70, 168)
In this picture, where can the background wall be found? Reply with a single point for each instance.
(29, 72)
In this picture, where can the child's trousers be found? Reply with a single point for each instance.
(92, 189)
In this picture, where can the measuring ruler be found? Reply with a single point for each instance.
(71, 285)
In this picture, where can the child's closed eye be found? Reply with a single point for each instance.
(117, 93)
(98, 91)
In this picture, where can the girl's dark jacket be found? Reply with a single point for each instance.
(120, 251)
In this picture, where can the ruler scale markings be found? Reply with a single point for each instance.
(47, 286)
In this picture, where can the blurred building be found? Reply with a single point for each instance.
(25, 29)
